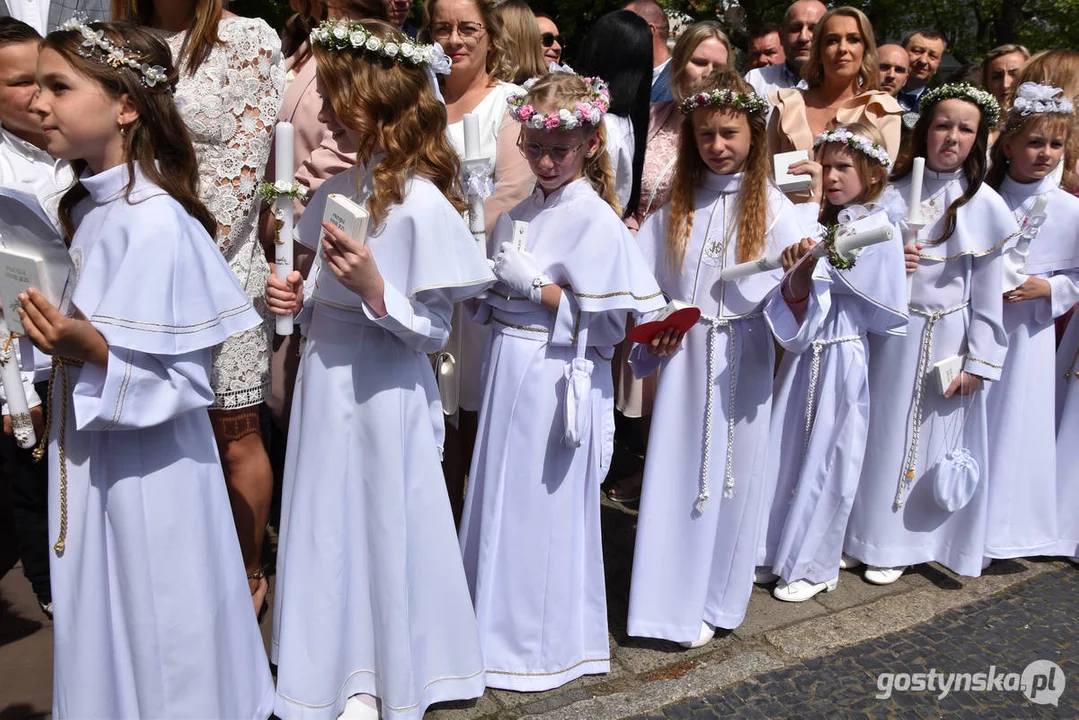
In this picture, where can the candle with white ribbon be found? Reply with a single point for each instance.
(474, 163)
(284, 213)
(845, 245)
(11, 376)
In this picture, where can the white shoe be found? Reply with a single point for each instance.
(883, 576)
(763, 576)
(802, 590)
(357, 709)
(707, 632)
(986, 562)
(848, 563)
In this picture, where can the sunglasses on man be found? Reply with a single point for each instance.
(550, 39)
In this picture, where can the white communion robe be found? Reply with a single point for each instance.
(371, 596)
(955, 308)
(820, 417)
(1067, 442)
(152, 610)
(530, 533)
(694, 561)
(1021, 405)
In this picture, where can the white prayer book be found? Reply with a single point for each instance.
(787, 182)
(19, 272)
(347, 216)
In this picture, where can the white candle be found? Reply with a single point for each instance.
(914, 204)
(284, 213)
(18, 406)
(472, 136)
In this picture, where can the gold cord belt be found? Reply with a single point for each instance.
(58, 364)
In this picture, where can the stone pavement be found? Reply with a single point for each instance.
(779, 646)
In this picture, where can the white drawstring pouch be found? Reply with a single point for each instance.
(578, 404)
(955, 476)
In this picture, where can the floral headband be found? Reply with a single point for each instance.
(114, 56)
(749, 102)
(351, 35)
(1032, 98)
(584, 114)
(963, 91)
(860, 143)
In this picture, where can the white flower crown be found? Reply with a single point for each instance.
(1032, 98)
(963, 91)
(860, 143)
(350, 35)
(749, 102)
(585, 113)
(114, 56)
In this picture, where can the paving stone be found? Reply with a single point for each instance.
(465, 710)
(766, 613)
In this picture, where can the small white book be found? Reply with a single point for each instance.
(347, 216)
(520, 234)
(18, 272)
(791, 183)
(948, 370)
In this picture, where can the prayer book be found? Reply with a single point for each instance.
(679, 315)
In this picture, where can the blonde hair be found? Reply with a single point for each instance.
(390, 106)
(497, 64)
(751, 206)
(687, 44)
(524, 46)
(1059, 68)
(871, 174)
(868, 73)
(558, 91)
(1017, 125)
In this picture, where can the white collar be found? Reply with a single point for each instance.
(944, 176)
(721, 183)
(27, 150)
(1025, 190)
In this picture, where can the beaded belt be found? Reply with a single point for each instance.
(714, 326)
(814, 378)
(925, 356)
(58, 364)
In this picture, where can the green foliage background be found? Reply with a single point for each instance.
(972, 27)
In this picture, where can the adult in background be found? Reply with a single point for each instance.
(229, 93)
(799, 24)
(46, 15)
(925, 47)
(294, 46)
(894, 66)
(661, 54)
(766, 46)
(550, 39)
(618, 49)
(999, 68)
(398, 10)
(472, 35)
(702, 48)
(843, 81)
(524, 47)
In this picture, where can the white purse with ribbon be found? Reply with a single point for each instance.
(578, 405)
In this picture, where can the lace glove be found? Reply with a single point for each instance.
(519, 270)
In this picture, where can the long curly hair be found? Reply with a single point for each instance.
(973, 167)
(157, 140)
(559, 91)
(751, 206)
(392, 108)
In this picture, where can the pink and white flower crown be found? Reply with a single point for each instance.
(588, 114)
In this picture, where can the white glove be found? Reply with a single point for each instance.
(518, 269)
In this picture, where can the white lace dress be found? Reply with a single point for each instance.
(230, 105)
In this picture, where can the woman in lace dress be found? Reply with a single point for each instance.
(229, 95)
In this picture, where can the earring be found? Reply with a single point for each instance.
(123, 130)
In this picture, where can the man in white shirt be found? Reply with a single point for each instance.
(797, 36)
(926, 47)
(46, 15)
(25, 166)
(661, 55)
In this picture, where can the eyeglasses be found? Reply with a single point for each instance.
(550, 39)
(557, 153)
(465, 31)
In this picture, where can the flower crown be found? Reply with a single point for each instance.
(584, 114)
(749, 102)
(963, 91)
(114, 56)
(1032, 98)
(351, 35)
(860, 143)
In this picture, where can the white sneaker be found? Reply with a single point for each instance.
(986, 562)
(707, 631)
(763, 576)
(847, 562)
(357, 709)
(802, 590)
(883, 576)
